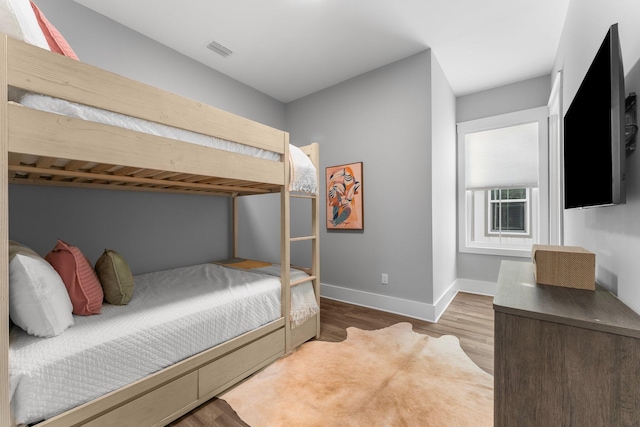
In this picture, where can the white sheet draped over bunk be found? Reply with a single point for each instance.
(174, 314)
(303, 172)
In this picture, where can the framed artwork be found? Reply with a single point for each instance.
(345, 210)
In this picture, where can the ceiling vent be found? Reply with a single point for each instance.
(219, 49)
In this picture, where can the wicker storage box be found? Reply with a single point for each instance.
(568, 266)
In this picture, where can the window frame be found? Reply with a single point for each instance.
(539, 115)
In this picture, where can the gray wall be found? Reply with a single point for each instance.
(153, 231)
(612, 233)
(505, 99)
(382, 118)
(518, 96)
(99, 41)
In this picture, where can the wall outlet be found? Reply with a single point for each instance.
(385, 279)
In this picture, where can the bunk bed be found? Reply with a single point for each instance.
(42, 147)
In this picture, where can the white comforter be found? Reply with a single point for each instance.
(173, 314)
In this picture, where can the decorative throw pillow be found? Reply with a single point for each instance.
(38, 300)
(17, 20)
(55, 40)
(79, 277)
(115, 277)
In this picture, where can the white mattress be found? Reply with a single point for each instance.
(173, 314)
(304, 178)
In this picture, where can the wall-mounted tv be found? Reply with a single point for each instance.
(594, 139)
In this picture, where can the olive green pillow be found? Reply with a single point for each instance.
(115, 277)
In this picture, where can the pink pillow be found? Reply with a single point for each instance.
(56, 41)
(79, 277)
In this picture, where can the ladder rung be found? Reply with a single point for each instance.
(299, 239)
(305, 280)
(302, 196)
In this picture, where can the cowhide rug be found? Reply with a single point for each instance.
(389, 377)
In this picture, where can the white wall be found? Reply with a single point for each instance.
(152, 231)
(443, 177)
(612, 233)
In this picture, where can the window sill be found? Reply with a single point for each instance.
(521, 252)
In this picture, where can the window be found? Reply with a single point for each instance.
(502, 183)
(508, 212)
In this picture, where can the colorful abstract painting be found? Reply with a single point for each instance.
(345, 210)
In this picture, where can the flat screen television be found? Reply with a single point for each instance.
(594, 139)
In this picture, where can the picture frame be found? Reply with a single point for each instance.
(344, 196)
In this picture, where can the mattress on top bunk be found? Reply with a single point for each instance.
(303, 176)
(173, 314)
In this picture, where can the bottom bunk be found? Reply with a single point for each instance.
(187, 335)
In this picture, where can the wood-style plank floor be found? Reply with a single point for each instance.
(469, 317)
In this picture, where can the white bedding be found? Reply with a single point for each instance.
(304, 178)
(173, 314)
(303, 300)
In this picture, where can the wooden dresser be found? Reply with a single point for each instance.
(563, 357)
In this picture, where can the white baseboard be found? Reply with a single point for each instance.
(405, 307)
(443, 302)
(476, 287)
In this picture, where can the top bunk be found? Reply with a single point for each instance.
(54, 143)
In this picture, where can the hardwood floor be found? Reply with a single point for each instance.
(469, 317)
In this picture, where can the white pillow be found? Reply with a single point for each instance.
(38, 300)
(18, 20)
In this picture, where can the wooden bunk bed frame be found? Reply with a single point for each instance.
(114, 158)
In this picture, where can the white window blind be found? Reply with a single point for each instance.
(502, 158)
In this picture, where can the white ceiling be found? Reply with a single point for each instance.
(291, 48)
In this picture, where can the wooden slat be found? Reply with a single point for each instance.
(234, 226)
(285, 249)
(101, 184)
(313, 151)
(165, 175)
(61, 174)
(197, 178)
(41, 133)
(101, 168)
(302, 196)
(126, 171)
(303, 280)
(75, 165)
(183, 176)
(4, 242)
(302, 238)
(45, 162)
(40, 71)
(145, 173)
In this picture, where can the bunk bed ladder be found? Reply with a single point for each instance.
(285, 245)
(314, 271)
(292, 338)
